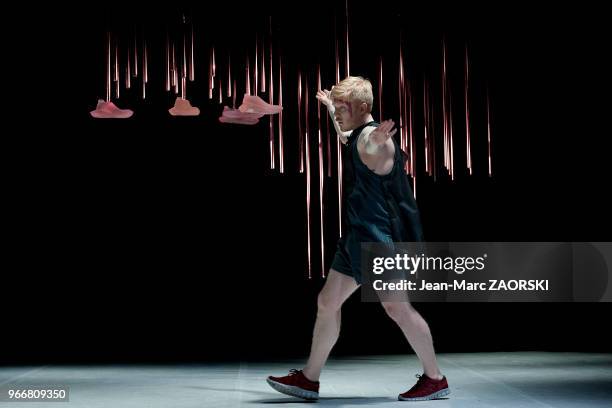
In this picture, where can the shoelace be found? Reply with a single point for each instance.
(421, 378)
(293, 371)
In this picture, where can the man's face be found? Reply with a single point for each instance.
(347, 115)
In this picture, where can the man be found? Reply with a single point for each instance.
(379, 207)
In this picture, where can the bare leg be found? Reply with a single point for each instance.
(336, 290)
(417, 332)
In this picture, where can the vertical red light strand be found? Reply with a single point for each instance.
(348, 68)
(184, 76)
(256, 71)
(175, 82)
(281, 152)
(338, 142)
(263, 64)
(380, 85)
(450, 134)
(167, 76)
(234, 96)
(128, 71)
(412, 138)
(192, 59)
(116, 70)
(425, 135)
(468, 141)
(489, 133)
(408, 145)
(328, 140)
(135, 56)
(308, 193)
(321, 173)
(300, 136)
(145, 69)
(211, 75)
(432, 139)
(400, 87)
(108, 67)
(271, 99)
(214, 65)
(413, 161)
(445, 111)
(248, 77)
(184, 56)
(229, 76)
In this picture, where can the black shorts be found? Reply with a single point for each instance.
(347, 259)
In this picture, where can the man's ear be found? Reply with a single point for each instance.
(363, 108)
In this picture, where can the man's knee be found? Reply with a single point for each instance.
(328, 303)
(399, 311)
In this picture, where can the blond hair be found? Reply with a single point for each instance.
(354, 89)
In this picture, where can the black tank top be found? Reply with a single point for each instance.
(378, 208)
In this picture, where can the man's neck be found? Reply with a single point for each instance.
(367, 119)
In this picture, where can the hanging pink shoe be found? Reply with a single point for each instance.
(241, 118)
(254, 104)
(182, 107)
(108, 110)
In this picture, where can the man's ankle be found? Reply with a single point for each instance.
(436, 377)
(309, 376)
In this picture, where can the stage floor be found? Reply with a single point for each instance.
(514, 379)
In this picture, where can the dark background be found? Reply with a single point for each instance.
(170, 239)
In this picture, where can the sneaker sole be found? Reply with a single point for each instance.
(435, 395)
(293, 390)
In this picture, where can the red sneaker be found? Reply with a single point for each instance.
(426, 389)
(296, 385)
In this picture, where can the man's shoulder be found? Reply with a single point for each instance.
(365, 132)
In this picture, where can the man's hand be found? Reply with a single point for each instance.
(382, 133)
(324, 97)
